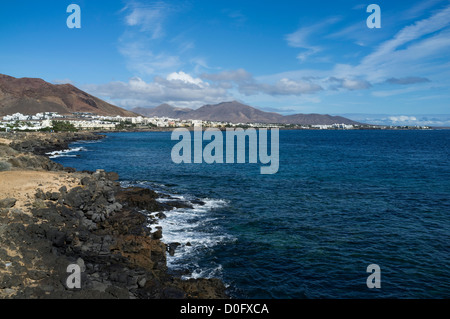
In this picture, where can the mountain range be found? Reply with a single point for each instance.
(30, 96)
(236, 112)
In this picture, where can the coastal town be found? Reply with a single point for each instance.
(85, 121)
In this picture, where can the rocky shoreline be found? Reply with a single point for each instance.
(90, 221)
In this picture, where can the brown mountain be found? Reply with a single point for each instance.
(30, 96)
(164, 110)
(236, 112)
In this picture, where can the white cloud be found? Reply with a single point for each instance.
(402, 118)
(179, 89)
(415, 45)
(186, 78)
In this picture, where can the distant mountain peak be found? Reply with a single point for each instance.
(163, 110)
(237, 112)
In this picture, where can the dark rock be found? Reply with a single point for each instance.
(7, 202)
(172, 247)
(99, 226)
(85, 180)
(39, 194)
(179, 204)
(54, 196)
(77, 197)
(198, 202)
(157, 234)
(56, 237)
(141, 198)
(161, 215)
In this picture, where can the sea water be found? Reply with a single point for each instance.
(341, 201)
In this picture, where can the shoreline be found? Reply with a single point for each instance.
(171, 129)
(54, 216)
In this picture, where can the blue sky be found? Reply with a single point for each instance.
(285, 56)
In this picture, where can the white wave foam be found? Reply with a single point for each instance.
(195, 229)
(66, 153)
(210, 272)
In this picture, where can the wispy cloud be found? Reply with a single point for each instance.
(389, 63)
(246, 84)
(349, 84)
(236, 16)
(147, 17)
(303, 36)
(416, 44)
(145, 28)
(142, 60)
(388, 93)
(419, 44)
(419, 9)
(423, 38)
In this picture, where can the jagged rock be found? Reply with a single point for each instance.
(141, 198)
(98, 226)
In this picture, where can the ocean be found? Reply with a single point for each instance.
(341, 201)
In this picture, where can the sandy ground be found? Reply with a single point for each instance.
(5, 141)
(22, 185)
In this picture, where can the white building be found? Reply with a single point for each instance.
(90, 125)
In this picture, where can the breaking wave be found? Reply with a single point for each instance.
(66, 153)
(192, 231)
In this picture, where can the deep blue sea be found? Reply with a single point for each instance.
(342, 200)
